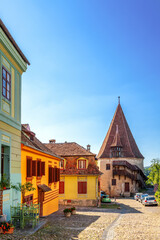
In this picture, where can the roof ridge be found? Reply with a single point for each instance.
(126, 129)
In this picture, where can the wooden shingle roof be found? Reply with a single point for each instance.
(123, 138)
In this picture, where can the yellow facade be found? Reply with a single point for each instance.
(50, 201)
(71, 188)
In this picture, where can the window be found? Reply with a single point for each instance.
(29, 167)
(61, 187)
(116, 152)
(50, 179)
(82, 187)
(107, 166)
(81, 164)
(62, 164)
(28, 199)
(54, 174)
(39, 168)
(6, 84)
(34, 168)
(42, 168)
(113, 182)
(5, 162)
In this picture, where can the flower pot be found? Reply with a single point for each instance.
(73, 212)
(67, 214)
(10, 231)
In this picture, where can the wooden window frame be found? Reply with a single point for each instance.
(81, 190)
(27, 197)
(62, 167)
(30, 170)
(108, 166)
(84, 164)
(50, 177)
(43, 168)
(114, 182)
(40, 172)
(34, 168)
(6, 82)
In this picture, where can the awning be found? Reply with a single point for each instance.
(44, 188)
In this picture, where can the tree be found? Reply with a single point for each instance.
(23, 188)
(154, 176)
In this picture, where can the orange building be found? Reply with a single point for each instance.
(40, 167)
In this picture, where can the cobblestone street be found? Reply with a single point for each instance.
(133, 221)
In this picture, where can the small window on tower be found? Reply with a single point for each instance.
(113, 182)
(107, 166)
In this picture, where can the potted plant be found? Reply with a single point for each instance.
(73, 210)
(67, 212)
(4, 183)
(6, 227)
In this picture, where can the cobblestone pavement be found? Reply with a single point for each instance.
(137, 222)
(133, 221)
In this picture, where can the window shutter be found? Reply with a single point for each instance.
(84, 187)
(61, 187)
(54, 174)
(29, 167)
(50, 174)
(34, 168)
(42, 168)
(58, 174)
(79, 187)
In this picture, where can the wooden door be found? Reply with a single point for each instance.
(127, 187)
(40, 200)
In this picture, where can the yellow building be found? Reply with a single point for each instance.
(78, 175)
(40, 167)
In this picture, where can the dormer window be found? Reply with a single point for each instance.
(6, 84)
(116, 152)
(81, 164)
(62, 164)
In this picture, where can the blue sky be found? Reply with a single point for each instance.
(84, 54)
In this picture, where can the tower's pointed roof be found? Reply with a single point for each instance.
(119, 134)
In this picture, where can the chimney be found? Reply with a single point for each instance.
(52, 141)
(88, 148)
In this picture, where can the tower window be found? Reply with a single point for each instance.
(107, 166)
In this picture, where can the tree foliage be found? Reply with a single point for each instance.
(154, 175)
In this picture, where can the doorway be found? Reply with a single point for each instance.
(40, 200)
(127, 187)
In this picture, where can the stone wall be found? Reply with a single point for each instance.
(78, 202)
(119, 188)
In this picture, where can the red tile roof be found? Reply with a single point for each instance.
(68, 149)
(125, 138)
(5, 30)
(92, 169)
(29, 139)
